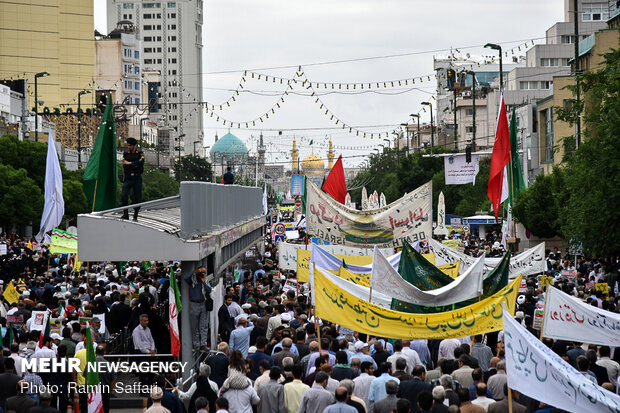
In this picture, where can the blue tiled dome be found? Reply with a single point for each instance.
(229, 145)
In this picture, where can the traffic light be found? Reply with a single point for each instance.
(468, 154)
(451, 77)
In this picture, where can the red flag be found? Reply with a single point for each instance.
(498, 184)
(335, 184)
(222, 179)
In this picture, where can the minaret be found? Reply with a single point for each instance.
(330, 156)
(295, 157)
(261, 156)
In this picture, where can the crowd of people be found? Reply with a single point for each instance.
(272, 355)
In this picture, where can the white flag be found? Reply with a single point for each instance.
(265, 210)
(54, 207)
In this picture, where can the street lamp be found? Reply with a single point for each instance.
(473, 99)
(406, 134)
(432, 128)
(180, 138)
(36, 104)
(194, 143)
(417, 115)
(388, 143)
(79, 142)
(501, 73)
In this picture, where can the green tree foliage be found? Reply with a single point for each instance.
(585, 194)
(396, 176)
(75, 200)
(24, 154)
(157, 184)
(21, 200)
(540, 206)
(193, 168)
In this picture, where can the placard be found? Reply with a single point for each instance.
(545, 281)
(290, 285)
(523, 286)
(3, 249)
(39, 320)
(458, 171)
(568, 274)
(14, 321)
(538, 318)
(603, 287)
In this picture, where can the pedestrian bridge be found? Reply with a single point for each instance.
(206, 224)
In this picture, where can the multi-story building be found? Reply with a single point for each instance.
(52, 37)
(171, 34)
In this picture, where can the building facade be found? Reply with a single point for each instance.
(171, 34)
(53, 36)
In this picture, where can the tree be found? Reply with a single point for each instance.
(21, 200)
(157, 184)
(75, 200)
(539, 207)
(24, 154)
(193, 168)
(580, 201)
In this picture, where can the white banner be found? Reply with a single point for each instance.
(458, 171)
(364, 199)
(385, 279)
(409, 218)
(529, 262)
(441, 216)
(287, 253)
(568, 318)
(536, 371)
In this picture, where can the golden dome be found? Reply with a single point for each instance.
(312, 163)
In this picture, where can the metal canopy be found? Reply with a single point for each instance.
(166, 229)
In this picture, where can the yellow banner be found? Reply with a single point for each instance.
(361, 279)
(451, 270)
(10, 294)
(452, 243)
(338, 306)
(303, 259)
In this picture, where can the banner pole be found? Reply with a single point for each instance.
(542, 324)
(509, 400)
(317, 327)
(95, 195)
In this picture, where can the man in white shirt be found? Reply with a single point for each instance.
(412, 359)
(613, 368)
(481, 397)
(205, 371)
(446, 348)
(362, 382)
(142, 337)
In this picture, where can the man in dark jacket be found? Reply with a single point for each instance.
(411, 388)
(219, 364)
(199, 296)
(133, 166)
(226, 322)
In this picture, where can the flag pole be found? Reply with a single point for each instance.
(316, 318)
(95, 195)
(542, 324)
(509, 400)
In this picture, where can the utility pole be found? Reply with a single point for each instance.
(473, 100)
(577, 91)
(79, 142)
(455, 125)
(36, 104)
(430, 105)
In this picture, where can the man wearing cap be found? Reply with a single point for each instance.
(157, 394)
(133, 166)
(240, 336)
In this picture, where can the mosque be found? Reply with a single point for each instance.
(312, 165)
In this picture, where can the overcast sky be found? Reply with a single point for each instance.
(268, 34)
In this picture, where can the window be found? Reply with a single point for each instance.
(136, 85)
(148, 61)
(596, 12)
(172, 5)
(158, 27)
(148, 49)
(147, 15)
(172, 60)
(148, 39)
(172, 27)
(159, 38)
(136, 70)
(172, 49)
(147, 27)
(159, 61)
(159, 50)
(136, 54)
(528, 85)
(136, 101)
(546, 84)
(549, 134)
(469, 112)
(172, 15)
(128, 16)
(172, 72)
(172, 38)
(469, 129)
(151, 5)
(128, 5)
(566, 39)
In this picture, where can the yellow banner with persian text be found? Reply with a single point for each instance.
(338, 306)
(303, 260)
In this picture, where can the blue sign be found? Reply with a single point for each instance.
(297, 185)
(279, 238)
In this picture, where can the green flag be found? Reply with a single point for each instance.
(92, 376)
(101, 176)
(516, 184)
(304, 197)
(493, 282)
(416, 270)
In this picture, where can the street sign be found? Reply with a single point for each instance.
(298, 203)
(465, 228)
(297, 185)
(279, 238)
(279, 229)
